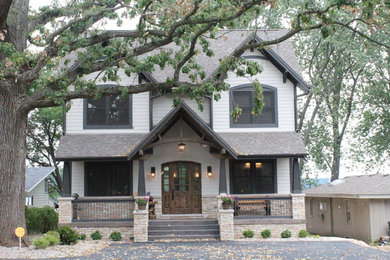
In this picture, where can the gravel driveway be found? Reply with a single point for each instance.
(241, 250)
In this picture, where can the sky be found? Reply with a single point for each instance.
(349, 167)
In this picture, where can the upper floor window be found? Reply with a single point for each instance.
(108, 112)
(244, 96)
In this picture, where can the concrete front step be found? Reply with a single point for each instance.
(183, 237)
(174, 232)
(183, 227)
(182, 222)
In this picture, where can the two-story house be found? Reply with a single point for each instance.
(115, 147)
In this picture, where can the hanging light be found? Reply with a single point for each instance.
(197, 175)
(153, 172)
(247, 165)
(181, 147)
(209, 171)
(175, 175)
(259, 165)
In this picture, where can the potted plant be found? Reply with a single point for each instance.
(141, 202)
(227, 201)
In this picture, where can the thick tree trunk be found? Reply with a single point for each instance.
(335, 171)
(13, 123)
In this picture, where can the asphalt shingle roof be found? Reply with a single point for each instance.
(373, 184)
(34, 175)
(97, 145)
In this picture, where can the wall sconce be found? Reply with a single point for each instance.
(181, 147)
(153, 172)
(175, 175)
(259, 165)
(209, 171)
(197, 175)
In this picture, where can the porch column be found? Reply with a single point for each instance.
(296, 176)
(67, 180)
(222, 176)
(141, 178)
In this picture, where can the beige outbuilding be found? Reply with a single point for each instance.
(355, 207)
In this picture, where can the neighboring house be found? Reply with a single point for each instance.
(37, 186)
(116, 147)
(356, 207)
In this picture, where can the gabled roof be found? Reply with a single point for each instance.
(35, 175)
(181, 110)
(362, 186)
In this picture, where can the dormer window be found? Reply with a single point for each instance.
(243, 96)
(107, 112)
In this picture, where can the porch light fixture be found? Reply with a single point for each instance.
(175, 175)
(197, 175)
(153, 172)
(181, 147)
(209, 171)
(247, 165)
(259, 165)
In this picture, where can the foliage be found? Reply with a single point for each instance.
(116, 236)
(303, 233)
(142, 200)
(248, 233)
(41, 243)
(266, 233)
(96, 235)
(41, 220)
(68, 236)
(44, 130)
(227, 198)
(82, 236)
(53, 237)
(285, 234)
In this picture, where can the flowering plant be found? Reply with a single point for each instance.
(227, 198)
(142, 200)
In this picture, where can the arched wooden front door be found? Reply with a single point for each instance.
(181, 188)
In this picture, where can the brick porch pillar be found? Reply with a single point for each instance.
(65, 211)
(226, 224)
(298, 206)
(141, 222)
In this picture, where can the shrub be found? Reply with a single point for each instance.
(266, 233)
(285, 234)
(41, 243)
(68, 236)
(248, 233)
(53, 237)
(96, 235)
(303, 233)
(41, 220)
(116, 236)
(82, 236)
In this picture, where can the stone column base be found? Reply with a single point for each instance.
(141, 222)
(226, 224)
(65, 211)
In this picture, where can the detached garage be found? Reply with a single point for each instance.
(355, 207)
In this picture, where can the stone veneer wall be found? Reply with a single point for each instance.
(210, 206)
(275, 229)
(65, 212)
(298, 206)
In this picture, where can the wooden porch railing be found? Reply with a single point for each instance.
(262, 207)
(102, 209)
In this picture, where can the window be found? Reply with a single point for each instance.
(29, 200)
(311, 207)
(243, 96)
(108, 179)
(46, 185)
(253, 177)
(107, 112)
(348, 211)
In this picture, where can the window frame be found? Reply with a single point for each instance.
(104, 126)
(257, 125)
(86, 166)
(252, 175)
(348, 211)
(46, 185)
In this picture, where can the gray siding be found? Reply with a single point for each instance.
(40, 198)
(319, 222)
(378, 219)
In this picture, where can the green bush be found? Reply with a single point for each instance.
(41, 243)
(303, 233)
(116, 236)
(96, 235)
(266, 233)
(248, 233)
(68, 236)
(41, 220)
(285, 234)
(53, 237)
(82, 236)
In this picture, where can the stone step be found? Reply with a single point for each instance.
(182, 222)
(183, 227)
(174, 232)
(183, 237)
